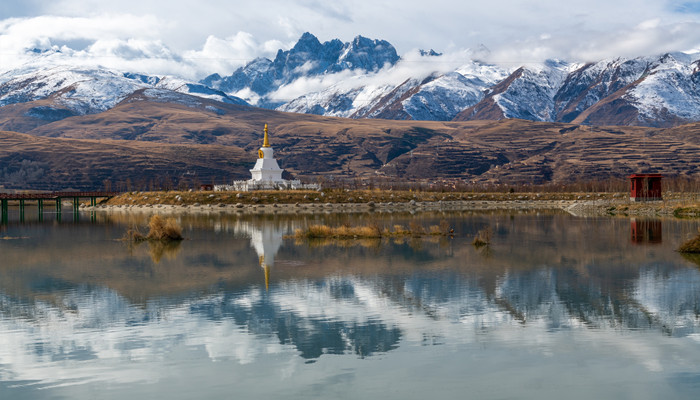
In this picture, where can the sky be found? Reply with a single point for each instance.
(192, 39)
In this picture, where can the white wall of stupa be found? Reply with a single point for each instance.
(266, 168)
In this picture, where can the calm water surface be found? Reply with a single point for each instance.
(557, 306)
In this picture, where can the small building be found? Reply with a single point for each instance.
(645, 187)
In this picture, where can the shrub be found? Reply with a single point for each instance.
(435, 230)
(400, 230)
(482, 238)
(416, 229)
(165, 229)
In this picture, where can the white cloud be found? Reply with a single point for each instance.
(411, 66)
(180, 37)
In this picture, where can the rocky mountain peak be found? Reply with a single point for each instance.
(308, 57)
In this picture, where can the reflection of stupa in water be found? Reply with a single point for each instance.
(266, 239)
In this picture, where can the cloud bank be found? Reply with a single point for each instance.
(193, 40)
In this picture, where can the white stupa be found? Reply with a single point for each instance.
(266, 169)
(266, 174)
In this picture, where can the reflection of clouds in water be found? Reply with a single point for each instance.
(93, 333)
(671, 300)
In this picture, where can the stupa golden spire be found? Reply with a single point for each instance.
(266, 141)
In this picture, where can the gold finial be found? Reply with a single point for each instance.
(267, 277)
(266, 141)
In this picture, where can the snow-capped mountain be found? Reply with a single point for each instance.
(648, 91)
(435, 97)
(80, 91)
(365, 78)
(309, 57)
(527, 93)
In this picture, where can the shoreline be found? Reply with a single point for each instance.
(578, 207)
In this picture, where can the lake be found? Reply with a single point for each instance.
(557, 306)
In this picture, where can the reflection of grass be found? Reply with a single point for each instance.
(159, 248)
(370, 243)
(692, 257)
(691, 246)
(691, 211)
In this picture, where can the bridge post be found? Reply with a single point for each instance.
(58, 208)
(93, 201)
(3, 211)
(21, 210)
(40, 206)
(76, 209)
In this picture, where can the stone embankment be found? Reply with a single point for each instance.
(576, 204)
(311, 208)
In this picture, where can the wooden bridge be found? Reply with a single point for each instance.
(56, 197)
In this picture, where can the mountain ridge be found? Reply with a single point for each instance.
(366, 78)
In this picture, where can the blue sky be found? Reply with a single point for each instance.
(192, 39)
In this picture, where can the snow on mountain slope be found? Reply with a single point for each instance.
(593, 82)
(531, 95)
(670, 87)
(197, 89)
(84, 91)
(444, 97)
(649, 91)
(436, 97)
(89, 91)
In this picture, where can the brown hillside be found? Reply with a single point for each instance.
(31, 162)
(219, 141)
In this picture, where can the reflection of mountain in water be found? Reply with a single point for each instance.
(311, 334)
(359, 316)
(332, 313)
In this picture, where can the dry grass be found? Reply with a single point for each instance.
(443, 229)
(370, 231)
(482, 238)
(159, 229)
(416, 229)
(134, 235)
(691, 246)
(164, 229)
(341, 232)
(399, 230)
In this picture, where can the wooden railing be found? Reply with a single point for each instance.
(53, 195)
